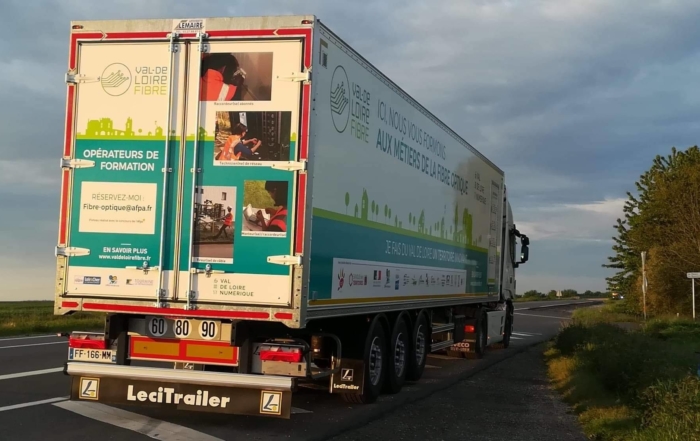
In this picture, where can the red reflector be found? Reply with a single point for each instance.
(469, 329)
(86, 343)
(306, 22)
(292, 355)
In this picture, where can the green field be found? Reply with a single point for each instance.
(626, 379)
(36, 317)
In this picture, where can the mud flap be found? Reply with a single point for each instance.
(466, 346)
(350, 378)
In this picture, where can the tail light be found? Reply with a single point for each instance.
(281, 353)
(87, 341)
(469, 329)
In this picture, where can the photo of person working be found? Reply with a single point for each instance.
(241, 76)
(221, 78)
(252, 136)
(278, 214)
(236, 147)
(265, 208)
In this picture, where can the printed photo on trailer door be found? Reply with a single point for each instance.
(236, 76)
(214, 224)
(242, 138)
(265, 208)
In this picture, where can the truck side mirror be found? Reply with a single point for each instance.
(524, 254)
(524, 248)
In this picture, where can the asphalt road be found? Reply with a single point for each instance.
(33, 393)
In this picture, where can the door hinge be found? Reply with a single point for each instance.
(297, 77)
(144, 269)
(284, 260)
(72, 251)
(76, 163)
(202, 47)
(173, 47)
(206, 271)
(74, 78)
(290, 165)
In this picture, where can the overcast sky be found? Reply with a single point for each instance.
(571, 98)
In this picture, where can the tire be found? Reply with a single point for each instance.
(374, 352)
(418, 353)
(481, 334)
(509, 326)
(398, 352)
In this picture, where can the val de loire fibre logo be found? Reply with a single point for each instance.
(116, 79)
(340, 99)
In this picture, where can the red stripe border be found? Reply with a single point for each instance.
(152, 310)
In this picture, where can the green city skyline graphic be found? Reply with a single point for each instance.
(103, 128)
(457, 230)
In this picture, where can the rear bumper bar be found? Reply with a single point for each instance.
(242, 394)
(246, 381)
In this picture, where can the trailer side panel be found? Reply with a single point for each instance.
(404, 210)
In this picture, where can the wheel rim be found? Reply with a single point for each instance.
(375, 361)
(420, 345)
(399, 355)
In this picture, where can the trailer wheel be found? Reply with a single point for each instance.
(397, 356)
(375, 365)
(418, 353)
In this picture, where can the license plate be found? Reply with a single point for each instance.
(162, 327)
(93, 355)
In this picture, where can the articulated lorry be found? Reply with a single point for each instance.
(255, 208)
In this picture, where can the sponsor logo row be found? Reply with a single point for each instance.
(383, 278)
(111, 280)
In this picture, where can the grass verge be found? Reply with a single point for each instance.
(631, 382)
(23, 318)
(560, 299)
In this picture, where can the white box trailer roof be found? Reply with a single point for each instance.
(259, 168)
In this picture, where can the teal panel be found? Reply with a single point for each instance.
(118, 161)
(334, 238)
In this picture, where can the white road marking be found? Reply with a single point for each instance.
(27, 338)
(30, 373)
(35, 344)
(33, 403)
(525, 334)
(150, 427)
(430, 366)
(516, 338)
(545, 316)
(295, 410)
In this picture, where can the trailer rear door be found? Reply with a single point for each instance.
(239, 224)
(163, 177)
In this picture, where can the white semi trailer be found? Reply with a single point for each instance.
(250, 201)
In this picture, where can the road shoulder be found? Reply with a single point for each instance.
(513, 400)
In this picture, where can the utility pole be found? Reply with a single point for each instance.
(692, 277)
(644, 283)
